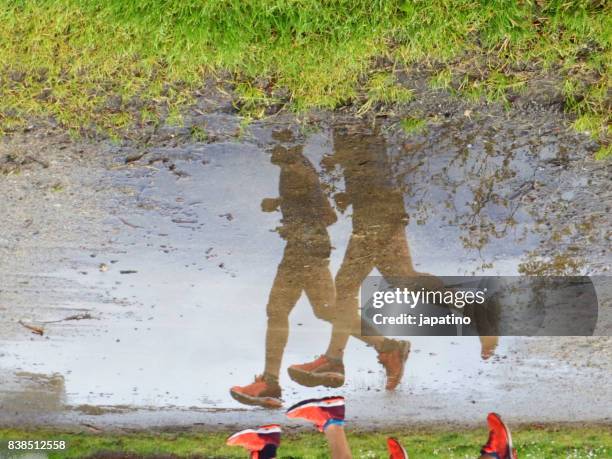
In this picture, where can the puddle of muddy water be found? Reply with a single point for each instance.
(190, 262)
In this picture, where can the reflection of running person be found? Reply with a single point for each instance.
(327, 414)
(378, 241)
(306, 214)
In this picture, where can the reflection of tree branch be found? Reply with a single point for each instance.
(472, 187)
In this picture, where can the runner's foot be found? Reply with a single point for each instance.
(396, 450)
(488, 344)
(320, 411)
(321, 372)
(499, 444)
(262, 392)
(261, 443)
(394, 361)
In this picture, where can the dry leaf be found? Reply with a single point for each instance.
(33, 328)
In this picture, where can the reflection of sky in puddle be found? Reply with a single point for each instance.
(194, 323)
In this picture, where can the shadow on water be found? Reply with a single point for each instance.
(232, 259)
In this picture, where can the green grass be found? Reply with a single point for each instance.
(99, 65)
(413, 125)
(604, 152)
(198, 134)
(537, 442)
(383, 89)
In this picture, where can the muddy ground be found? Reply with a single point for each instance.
(134, 275)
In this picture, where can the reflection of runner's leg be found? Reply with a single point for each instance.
(320, 290)
(356, 266)
(488, 344)
(285, 292)
(393, 261)
(324, 371)
(328, 369)
(393, 258)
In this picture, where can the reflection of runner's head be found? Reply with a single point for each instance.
(369, 180)
(302, 202)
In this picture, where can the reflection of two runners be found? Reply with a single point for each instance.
(378, 240)
(327, 414)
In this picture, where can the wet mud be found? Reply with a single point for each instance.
(140, 283)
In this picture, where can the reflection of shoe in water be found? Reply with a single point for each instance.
(499, 443)
(488, 344)
(261, 442)
(321, 372)
(322, 412)
(261, 392)
(394, 361)
(396, 450)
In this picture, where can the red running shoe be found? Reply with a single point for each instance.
(261, 392)
(396, 450)
(261, 443)
(394, 362)
(499, 444)
(318, 410)
(320, 372)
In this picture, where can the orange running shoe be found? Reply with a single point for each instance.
(261, 443)
(321, 372)
(396, 450)
(319, 411)
(261, 392)
(499, 444)
(394, 362)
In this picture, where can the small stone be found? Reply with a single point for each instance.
(568, 195)
(548, 152)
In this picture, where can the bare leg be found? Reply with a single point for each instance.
(320, 290)
(356, 265)
(284, 294)
(488, 344)
(394, 261)
(393, 257)
(387, 252)
(338, 444)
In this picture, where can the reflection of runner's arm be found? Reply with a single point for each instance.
(270, 204)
